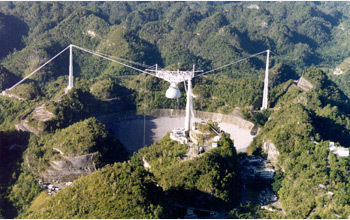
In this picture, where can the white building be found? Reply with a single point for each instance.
(266, 173)
(217, 138)
(332, 147)
(338, 151)
(179, 135)
(343, 152)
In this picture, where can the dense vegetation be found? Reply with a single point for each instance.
(76, 105)
(175, 35)
(216, 173)
(10, 112)
(116, 191)
(341, 75)
(7, 79)
(12, 145)
(84, 137)
(26, 91)
(251, 211)
(301, 130)
(12, 30)
(88, 136)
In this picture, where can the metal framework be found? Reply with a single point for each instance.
(173, 77)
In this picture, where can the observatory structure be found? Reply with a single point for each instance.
(173, 92)
(173, 77)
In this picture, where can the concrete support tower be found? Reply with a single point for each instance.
(70, 77)
(266, 83)
(188, 105)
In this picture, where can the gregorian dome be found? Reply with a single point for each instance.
(173, 92)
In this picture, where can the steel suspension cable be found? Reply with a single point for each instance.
(218, 68)
(118, 58)
(107, 58)
(38, 68)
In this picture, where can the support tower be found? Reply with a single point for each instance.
(266, 83)
(70, 77)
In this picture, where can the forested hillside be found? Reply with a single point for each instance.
(301, 130)
(116, 191)
(128, 190)
(307, 39)
(177, 35)
(216, 173)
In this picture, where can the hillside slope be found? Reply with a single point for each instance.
(301, 120)
(63, 157)
(116, 191)
(7, 79)
(301, 130)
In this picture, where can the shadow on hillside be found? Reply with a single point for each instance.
(197, 199)
(336, 97)
(330, 130)
(12, 30)
(12, 146)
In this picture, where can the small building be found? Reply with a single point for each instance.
(179, 135)
(338, 151)
(254, 159)
(217, 138)
(332, 147)
(214, 145)
(50, 187)
(266, 173)
(343, 152)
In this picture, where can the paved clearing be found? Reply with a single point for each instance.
(241, 137)
(130, 132)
